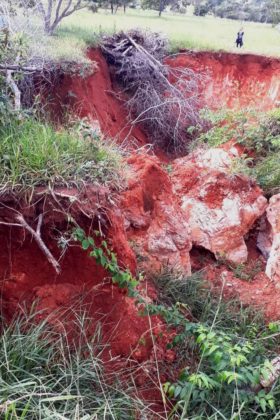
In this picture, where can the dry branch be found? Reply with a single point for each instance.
(37, 236)
(18, 68)
(164, 100)
(15, 90)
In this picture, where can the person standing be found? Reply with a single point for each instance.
(239, 39)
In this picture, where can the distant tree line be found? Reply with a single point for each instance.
(267, 11)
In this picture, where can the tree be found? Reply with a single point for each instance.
(274, 11)
(158, 5)
(54, 11)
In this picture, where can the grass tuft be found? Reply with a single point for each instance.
(34, 154)
(43, 377)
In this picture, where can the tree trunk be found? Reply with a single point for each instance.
(161, 7)
(112, 7)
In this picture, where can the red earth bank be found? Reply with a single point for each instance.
(234, 80)
(96, 97)
(25, 274)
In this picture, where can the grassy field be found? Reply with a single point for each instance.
(183, 31)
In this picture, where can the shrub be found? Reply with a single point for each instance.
(224, 348)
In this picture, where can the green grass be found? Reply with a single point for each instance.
(34, 154)
(43, 376)
(183, 31)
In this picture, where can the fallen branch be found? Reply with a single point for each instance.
(37, 236)
(164, 100)
(19, 68)
(15, 89)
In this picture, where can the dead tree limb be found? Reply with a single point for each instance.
(18, 68)
(15, 90)
(164, 100)
(37, 236)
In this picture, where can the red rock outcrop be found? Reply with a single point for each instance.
(155, 223)
(220, 207)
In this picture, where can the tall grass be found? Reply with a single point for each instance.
(42, 376)
(33, 154)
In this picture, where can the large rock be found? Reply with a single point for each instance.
(273, 217)
(155, 223)
(220, 207)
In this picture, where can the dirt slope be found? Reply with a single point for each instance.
(96, 97)
(234, 80)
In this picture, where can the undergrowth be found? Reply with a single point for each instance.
(258, 133)
(33, 154)
(226, 348)
(44, 376)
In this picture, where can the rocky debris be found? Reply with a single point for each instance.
(220, 207)
(155, 223)
(273, 375)
(265, 237)
(273, 217)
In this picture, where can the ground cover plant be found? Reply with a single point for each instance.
(34, 153)
(227, 348)
(258, 133)
(44, 376)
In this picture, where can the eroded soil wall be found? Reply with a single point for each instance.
(234, 80)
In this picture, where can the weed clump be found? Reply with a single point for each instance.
(34, 154)
(43, 376)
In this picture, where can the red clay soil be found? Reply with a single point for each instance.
(96, 97)
(259, 292)
(234, 80)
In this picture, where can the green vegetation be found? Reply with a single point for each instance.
(108, 260)
(228, 348)
(34, 154)
(183, 31)
(43, 377)
(259, 133)
(253, 10)
(224, 350)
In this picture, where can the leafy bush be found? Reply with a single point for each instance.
(34, 154)
(225, 349)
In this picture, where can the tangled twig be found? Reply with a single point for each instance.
(36, 234)
(164, 100)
